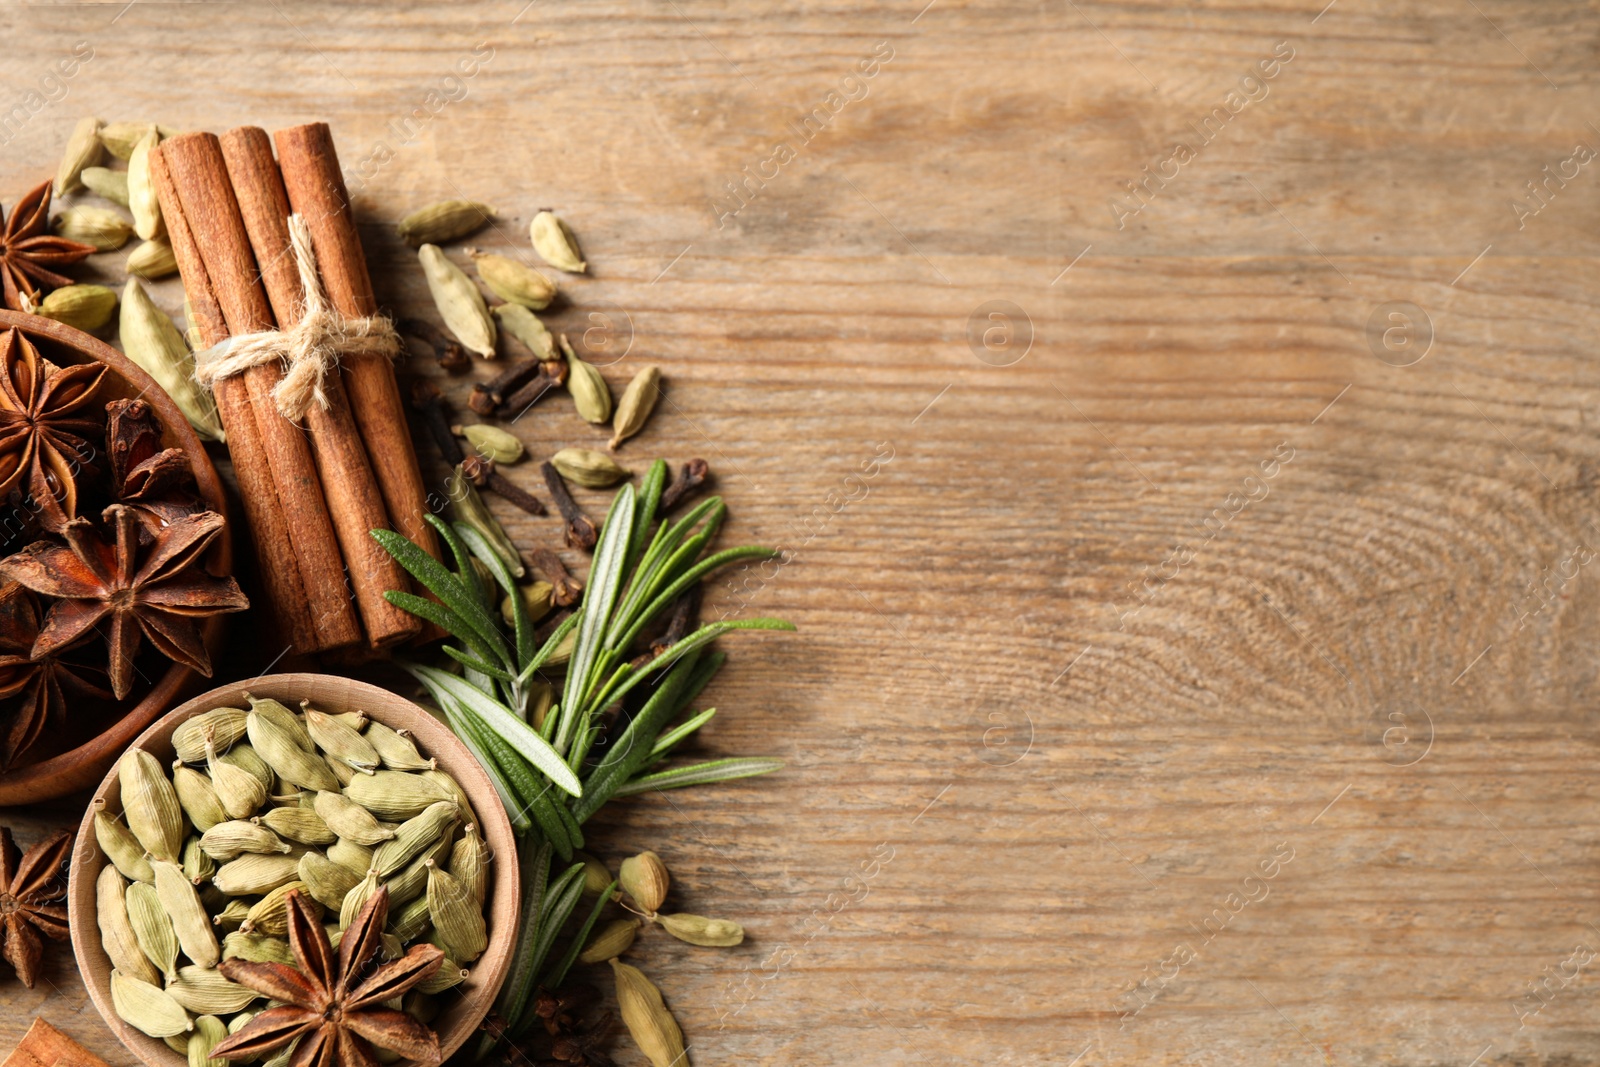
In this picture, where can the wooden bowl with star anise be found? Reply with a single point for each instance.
(462, 1008)
(88, 658)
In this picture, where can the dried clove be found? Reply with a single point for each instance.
(566, 588)
(580, 531)
(430, 404)
(685, 612)
(481, 473)
(446, 349)
(486, 396)
(552, 373)
(690, 478)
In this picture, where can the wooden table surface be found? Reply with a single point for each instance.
(1197, 644)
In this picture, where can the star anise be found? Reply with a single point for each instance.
(27, 893)
(40, 682)
(44, 428)
(155, 482)
(334, 1008)
(28, 251)
(161, 592)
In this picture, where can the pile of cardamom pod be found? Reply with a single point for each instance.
(260, 804)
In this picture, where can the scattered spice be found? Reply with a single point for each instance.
(29, 888)
(565, 589)
(691, 477)
(447, 350)
(443, 221)
(638, 401)
(533, 390)
(162, 593)
(428, 402)
(513, 281)
(41, 683)
(83, 150)
(459, 302)
(553, 241)
(331, 1003)
(28, 253)
(489, 395)
(481, 472)
(580, 530)
(44, 432)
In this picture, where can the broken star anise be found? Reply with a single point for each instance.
(334, 1007)
(28, 251)
(161, 592)
(42, 683)
(156, 483)
(28, 891)
(44, 428)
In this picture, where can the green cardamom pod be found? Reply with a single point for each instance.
(107, 184)
(409, 921)
(198, 797)
(228, 840)
(146, 1007)
(182, 904)
(394, 794)
(444, 221)
(270, 914)
(241, 792)
(357, 898)
(459, 302)
(299, 824)
(153, 928)
(638, 401)
(209, 1032)
(596, 876)
(83, 307)
(413, 835)
(234, 912)
(492, 442)
(644, 878)
(142, 200)
(513, 281)
(553, 241)
(256, 948)
(396, 749)
(205, 991)
(122, 848)
(277, 745)
(351, 821)
(538, 597)
(151, 340)
(586, 467)
(101, 227)
(611, 941)
(590, 394)
(221, 727)
(469, 862)
(341, 742)
(654, 1029)
(150, 804)
(413, 880)
(197, 866)
(83, 150)
(121, 138)
(352, 857)
(253, 873)
(698, 930)
(116, 930)
(457, 917)
(326, 881)
(525, 326)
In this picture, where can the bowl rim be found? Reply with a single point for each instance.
(335, 693)
(78, 767)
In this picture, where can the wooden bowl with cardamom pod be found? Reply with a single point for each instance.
(461, 1008)
(77, 762)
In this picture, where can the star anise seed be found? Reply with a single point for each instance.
(44, 429)
(28, 251)
(161, 592)
(41, 683)
(334, 1008)
(28, 891)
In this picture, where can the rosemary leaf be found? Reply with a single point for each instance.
(721, 770)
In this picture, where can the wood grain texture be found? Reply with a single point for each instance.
(1071, 667)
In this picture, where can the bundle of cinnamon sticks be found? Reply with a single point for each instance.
(312, 490)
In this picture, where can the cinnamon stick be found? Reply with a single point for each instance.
(200, 178)
(354, 502)
(316, 188)
(280, 571)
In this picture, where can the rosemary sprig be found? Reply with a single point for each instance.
(551, 777)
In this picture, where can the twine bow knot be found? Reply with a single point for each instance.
(310, 350)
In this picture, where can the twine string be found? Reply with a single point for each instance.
(310, 350)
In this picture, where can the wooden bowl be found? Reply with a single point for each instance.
(81, 767)
(465, 1006)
